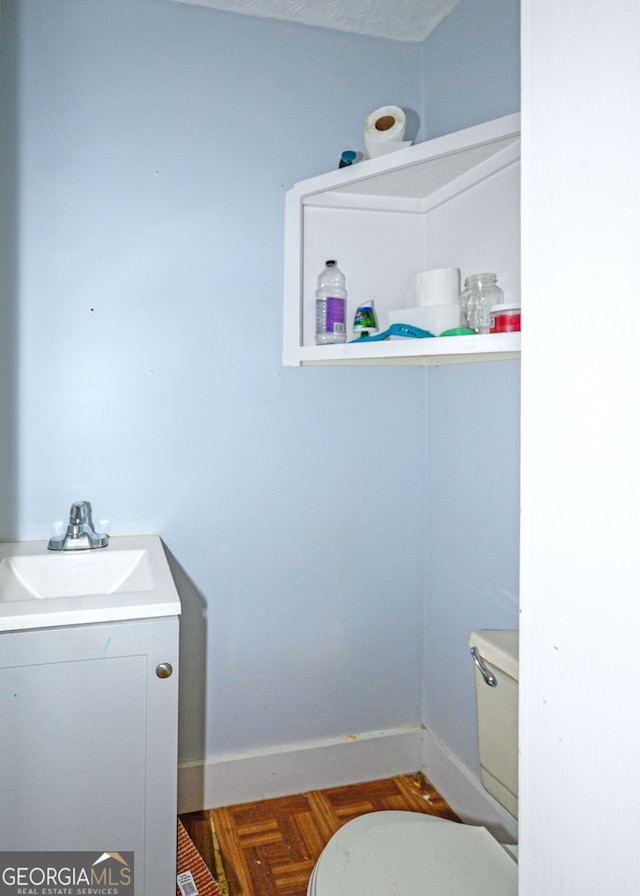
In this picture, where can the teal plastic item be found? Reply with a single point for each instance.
(397, 330)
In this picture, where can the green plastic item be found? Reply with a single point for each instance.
(459, 331)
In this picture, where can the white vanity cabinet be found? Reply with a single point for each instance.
(88, 743)
(449, 202)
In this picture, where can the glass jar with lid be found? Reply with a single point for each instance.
(481, 291)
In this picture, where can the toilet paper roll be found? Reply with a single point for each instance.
(384, 131)
(440, 286)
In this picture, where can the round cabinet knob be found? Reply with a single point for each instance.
(164, 670)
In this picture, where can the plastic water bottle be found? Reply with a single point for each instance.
(331, 301)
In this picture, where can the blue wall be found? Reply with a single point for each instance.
(473, 536)
(471, 66)
(472, 74)
(157, 141)
(153, 145)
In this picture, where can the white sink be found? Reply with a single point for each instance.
(74, 574)
(128, 579)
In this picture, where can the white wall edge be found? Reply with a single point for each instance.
(464, 791)
(226, 779)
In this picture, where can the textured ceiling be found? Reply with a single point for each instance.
(410, 20)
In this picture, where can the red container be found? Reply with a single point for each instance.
(505, 319)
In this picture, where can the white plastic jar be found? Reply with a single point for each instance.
(505, 318)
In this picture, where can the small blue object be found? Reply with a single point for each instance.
(397, 330)
(348, 157)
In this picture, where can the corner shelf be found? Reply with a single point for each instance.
(449, 202)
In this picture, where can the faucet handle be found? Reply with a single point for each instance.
(79, 513)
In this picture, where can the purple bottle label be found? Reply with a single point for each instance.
(335, 315)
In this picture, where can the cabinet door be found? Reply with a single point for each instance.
(88, 744)
(73, 748)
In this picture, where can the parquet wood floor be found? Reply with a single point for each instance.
(269, 848)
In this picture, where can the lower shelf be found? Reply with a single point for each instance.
(421, 352)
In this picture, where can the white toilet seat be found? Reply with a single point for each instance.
(409, 853)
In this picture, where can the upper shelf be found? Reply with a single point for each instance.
(448, 202)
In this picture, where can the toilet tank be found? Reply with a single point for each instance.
(497, 709)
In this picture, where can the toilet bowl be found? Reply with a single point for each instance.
(404, 853)
(399, 853)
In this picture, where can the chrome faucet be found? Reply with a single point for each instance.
(80, 534)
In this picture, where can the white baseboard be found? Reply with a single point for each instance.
(463, 790)
(229, 778)
(226, 779)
